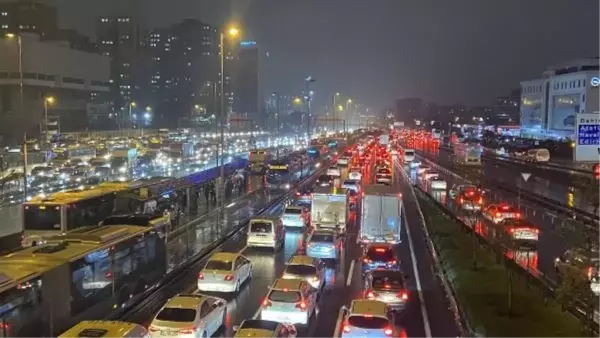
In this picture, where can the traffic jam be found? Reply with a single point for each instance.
(323, 261)
(499, 219)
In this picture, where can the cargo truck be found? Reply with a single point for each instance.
(330, 208)
(467, 154)
(381, 215)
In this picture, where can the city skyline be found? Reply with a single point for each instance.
(437, 56)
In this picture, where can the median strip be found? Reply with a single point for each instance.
(496, 301)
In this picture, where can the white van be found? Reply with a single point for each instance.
(295, 216)
(538, 155)
(266, 232)
(409, 155)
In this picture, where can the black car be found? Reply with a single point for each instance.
(324, 181)
(380, 256)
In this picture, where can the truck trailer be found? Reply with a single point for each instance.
(330, 208)
(381, 215)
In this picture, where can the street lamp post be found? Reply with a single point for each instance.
(308, 81)
(334, 107)
(347, 111)
(232, 32)
(277, 122)
(20, 44)
(131, 106)
(47, 100)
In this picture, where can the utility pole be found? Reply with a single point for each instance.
(307, 97)
(277, 121)
(25, 167)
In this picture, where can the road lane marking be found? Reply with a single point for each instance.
(413, 257)
(350, 273)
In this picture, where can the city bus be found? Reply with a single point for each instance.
(61, 212)
(278, 174)
(83, 275)
(258, 160)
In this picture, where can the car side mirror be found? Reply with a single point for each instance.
(236, 328)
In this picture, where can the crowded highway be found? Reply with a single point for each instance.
(298, 253)
(544, 241)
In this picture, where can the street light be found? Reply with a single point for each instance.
(308, 81)
(47, 100)
(132, 104)
(333, 108)
(11, 36)
(232, 32)
(297, 100)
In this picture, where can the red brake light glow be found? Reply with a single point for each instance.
(403, 295)
(393, 261)
(379, 250)
(266, 302)
(200, 275)
(301, 305)
(387, 286)
(346, 328)
(190, 330)
(498, 214)
(229, 278)
(388, 332)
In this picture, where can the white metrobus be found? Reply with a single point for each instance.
(61, 212)
(83, 275)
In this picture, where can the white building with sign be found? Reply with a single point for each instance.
(587, 141)
(550, 105)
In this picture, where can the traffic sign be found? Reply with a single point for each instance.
(525, 176)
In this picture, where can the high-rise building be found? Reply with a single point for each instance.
(118, 38)
(248, 83)
(409, 110)
(26, 16)
(182, 71)
(38, 69)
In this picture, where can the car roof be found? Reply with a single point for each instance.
(302, 260)
(225, 256)
(289, 284)
(185, 301)
(368, 307)
(294, 207)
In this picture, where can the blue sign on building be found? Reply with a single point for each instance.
(247, 43)
(588, 134)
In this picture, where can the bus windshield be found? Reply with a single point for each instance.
(41, 217)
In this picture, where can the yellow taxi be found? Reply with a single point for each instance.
(106, 328)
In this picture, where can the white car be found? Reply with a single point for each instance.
(189, 316)
(383, 176)
(368, 318)
(422, 169)
(429, 174)
(438, 184)
(355, 176)
(310, 268)
(409, 155)
(294, 216)
(351, 185)
(334, 172)
(292, 301)
(224, 272)
(498, 212)
(343, 161)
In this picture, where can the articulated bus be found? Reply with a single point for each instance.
(83, 275)
(61, 212)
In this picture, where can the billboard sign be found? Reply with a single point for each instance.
(587, 146)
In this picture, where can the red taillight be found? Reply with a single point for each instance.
(403, 295)
(228, 278)
(480, 201)
(301, 305)
(392, 262)
(266, 302)
(517, 215)
(366, 260)
(108, 275)
(189, 330)
(379, 250)
(460, 200)
(200, 276)
(346, 328)
(370, 294)
(388, 332)
(498, 214)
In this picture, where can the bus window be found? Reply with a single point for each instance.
(90, 211)
(21, 306)
(41, 217)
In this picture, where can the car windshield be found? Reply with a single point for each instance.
(175, 314)
(383, 171)
(261, 227)
(325, 238)
(409, 153)
(259, 325)
(368, 322)
(284, 296)
(293, 211)
(388, 280)
(301, 270)
(380, 254)
(218, 265)
(323, 178)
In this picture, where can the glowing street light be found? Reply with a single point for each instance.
(297, 100)
(48, 100)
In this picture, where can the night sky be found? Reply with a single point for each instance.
(458, 51)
